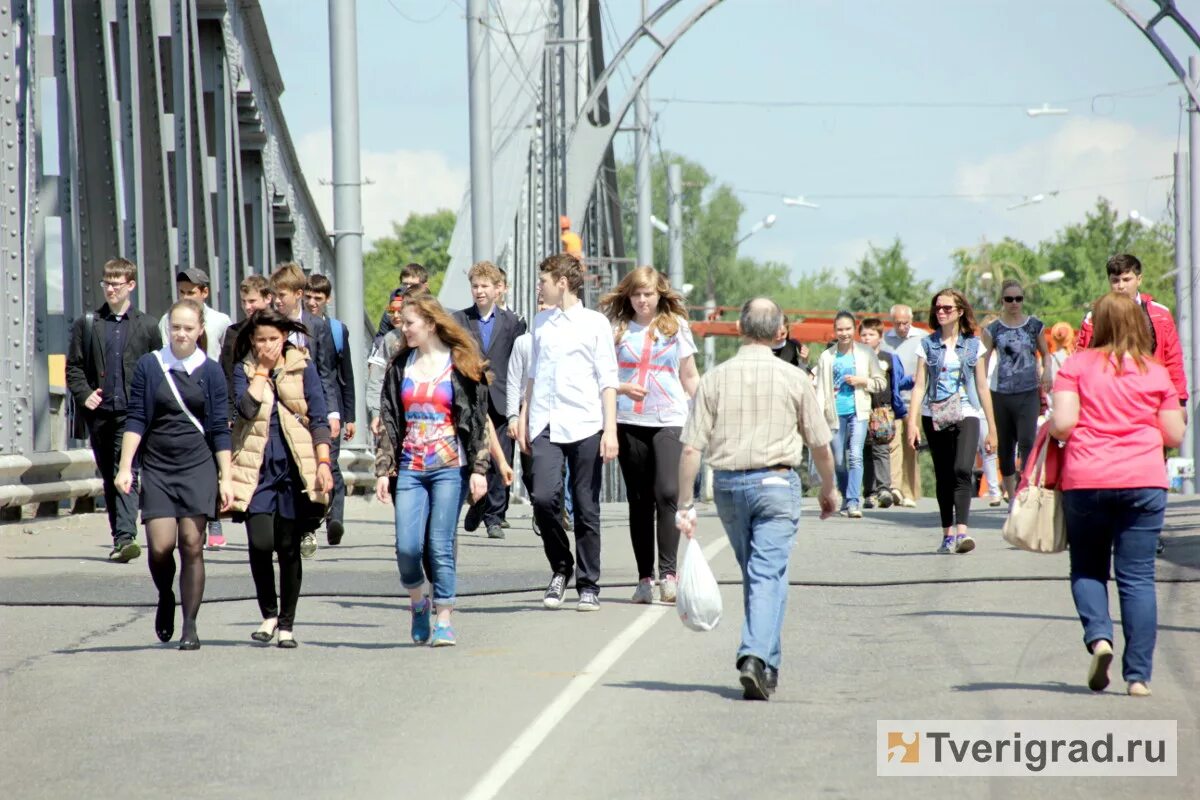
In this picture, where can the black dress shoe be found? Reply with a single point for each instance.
(334, 531)
(164, 618)
(189, 640)
(772, 679)
(1160, 547)
(754, 678)
(287, 644)
(474, 516)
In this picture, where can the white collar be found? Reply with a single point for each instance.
(189, 364)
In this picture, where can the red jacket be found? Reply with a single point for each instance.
(1166, 347)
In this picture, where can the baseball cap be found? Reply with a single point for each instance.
(193, 275)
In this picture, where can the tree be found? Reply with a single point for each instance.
(422, 238)
(981, 271)
(883, 278)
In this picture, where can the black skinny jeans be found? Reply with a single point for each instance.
(649, 459)
(271, 533)
(1016, 426)
(953, 450)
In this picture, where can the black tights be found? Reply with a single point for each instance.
(649, 460)
(1016, 427)
(271, 533)
(953, 450)
(162, 535)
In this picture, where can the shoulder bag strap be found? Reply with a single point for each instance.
(175, 393)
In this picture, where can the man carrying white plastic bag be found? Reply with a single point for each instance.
(698, 597)
(752, 416)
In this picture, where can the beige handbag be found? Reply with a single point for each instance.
(1036, 521)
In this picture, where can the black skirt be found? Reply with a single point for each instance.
(178, 471)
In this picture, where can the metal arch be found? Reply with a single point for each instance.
(589, 140)
(1166, 10)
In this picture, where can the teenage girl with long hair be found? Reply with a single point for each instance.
(656, 367)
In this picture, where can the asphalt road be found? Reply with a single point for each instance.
(626, 703)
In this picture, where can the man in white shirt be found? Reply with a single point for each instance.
(904, 340)
(194, 284)
(570, 414)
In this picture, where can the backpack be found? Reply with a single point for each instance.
(337, 329)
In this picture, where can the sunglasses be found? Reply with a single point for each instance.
(1014, 298)
(945, 309)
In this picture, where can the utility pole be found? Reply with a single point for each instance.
(1182, 300)
(675, 221)
(479, 69)
(1193, 297)
(645, 234)
(347, 185)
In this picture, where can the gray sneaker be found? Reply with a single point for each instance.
(308, 545)
(588, 601)
(495, 531)
(124, 551)
(644, 593)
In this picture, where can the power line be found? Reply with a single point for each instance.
(416, 20)
(951, 195)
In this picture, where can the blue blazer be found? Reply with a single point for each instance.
(148, 376)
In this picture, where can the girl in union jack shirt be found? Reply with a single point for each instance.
(658, 377)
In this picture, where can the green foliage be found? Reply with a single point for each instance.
(422, 238)
(884, 278)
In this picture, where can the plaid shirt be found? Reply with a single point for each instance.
(755, 411)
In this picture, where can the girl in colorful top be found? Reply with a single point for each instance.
(1016, 343)
(950, 396)
(433, 409)
(657, 371)
(281, 461)
(847, 374)
(178, 416)
(1116, 408)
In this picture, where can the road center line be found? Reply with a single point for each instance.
(532, 737)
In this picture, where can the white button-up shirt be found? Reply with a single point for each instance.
(573, 361)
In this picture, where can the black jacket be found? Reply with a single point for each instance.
(344, 374)
(320, 350)
(469, 410)
(85, 365)
(505, 330)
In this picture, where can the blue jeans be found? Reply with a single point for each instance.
(433, 497)
(847, 443)
(1121, 527)
(760, 510)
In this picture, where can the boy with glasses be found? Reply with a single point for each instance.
(105, 347)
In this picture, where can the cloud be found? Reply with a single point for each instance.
(1082, 160)
(402, 182)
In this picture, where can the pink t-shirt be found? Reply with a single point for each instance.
(1117, 443)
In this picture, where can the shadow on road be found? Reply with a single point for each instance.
(1053, 686)
(728, 692)
(1027, 615)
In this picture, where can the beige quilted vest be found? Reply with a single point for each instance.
(250, 435)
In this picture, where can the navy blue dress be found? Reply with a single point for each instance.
(179, 473)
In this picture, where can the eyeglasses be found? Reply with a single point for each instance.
(945, 309)
(112, 284)
(1014, 298)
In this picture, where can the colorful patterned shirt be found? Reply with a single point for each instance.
(430, 440)
(653, 363)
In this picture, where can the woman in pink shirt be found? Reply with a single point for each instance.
(1116, 408)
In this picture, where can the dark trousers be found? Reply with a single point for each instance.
(105, 430)
(527, 474)
(495, 504)
(877, 468)
(583, 458)
(267, 534)
(337, 500)
(649, 459)
(1016, 426)
(953, 450)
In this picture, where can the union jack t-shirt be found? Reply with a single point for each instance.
(647, 358)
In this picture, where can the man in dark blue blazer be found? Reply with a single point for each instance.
(495, 329)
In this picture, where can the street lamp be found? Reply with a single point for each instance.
(1135, 216)
(1028, 201)
(1046, 111)
(1053, 276)
(710, 305)
(799, 201)
(659, 225)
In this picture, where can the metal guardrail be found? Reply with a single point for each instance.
(63, 475)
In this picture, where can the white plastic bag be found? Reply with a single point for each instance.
(698, 600)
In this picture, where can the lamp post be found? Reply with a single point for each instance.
(710, 305)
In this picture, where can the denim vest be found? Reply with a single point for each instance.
(967, 349)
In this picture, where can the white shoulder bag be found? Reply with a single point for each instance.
(175, 393)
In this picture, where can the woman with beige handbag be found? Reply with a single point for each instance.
(1116, 408)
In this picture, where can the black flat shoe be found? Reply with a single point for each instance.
(289, 643)
(164, 618)
(189, 640)
(753, 676)
(264, 636)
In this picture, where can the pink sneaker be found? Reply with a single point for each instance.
(216, 541)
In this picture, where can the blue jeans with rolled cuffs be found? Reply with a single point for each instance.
(848, 441)
(1117, 527)
(434, 496)
(760, 511)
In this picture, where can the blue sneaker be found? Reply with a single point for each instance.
(420, 621)
(443, 636)
(947, 545)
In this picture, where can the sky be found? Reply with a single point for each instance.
(913, 122)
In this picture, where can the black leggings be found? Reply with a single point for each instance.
(1016, 426)
(271, 533)
(649, 459)
(953, 450)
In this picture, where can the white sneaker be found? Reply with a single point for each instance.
(644, 593)
(667, 589)
(308, 545)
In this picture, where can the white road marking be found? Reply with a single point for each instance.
(532, 737)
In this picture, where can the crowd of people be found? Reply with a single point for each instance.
(196, 418)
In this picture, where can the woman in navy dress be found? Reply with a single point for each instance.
(178, 427)
(294, 473)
